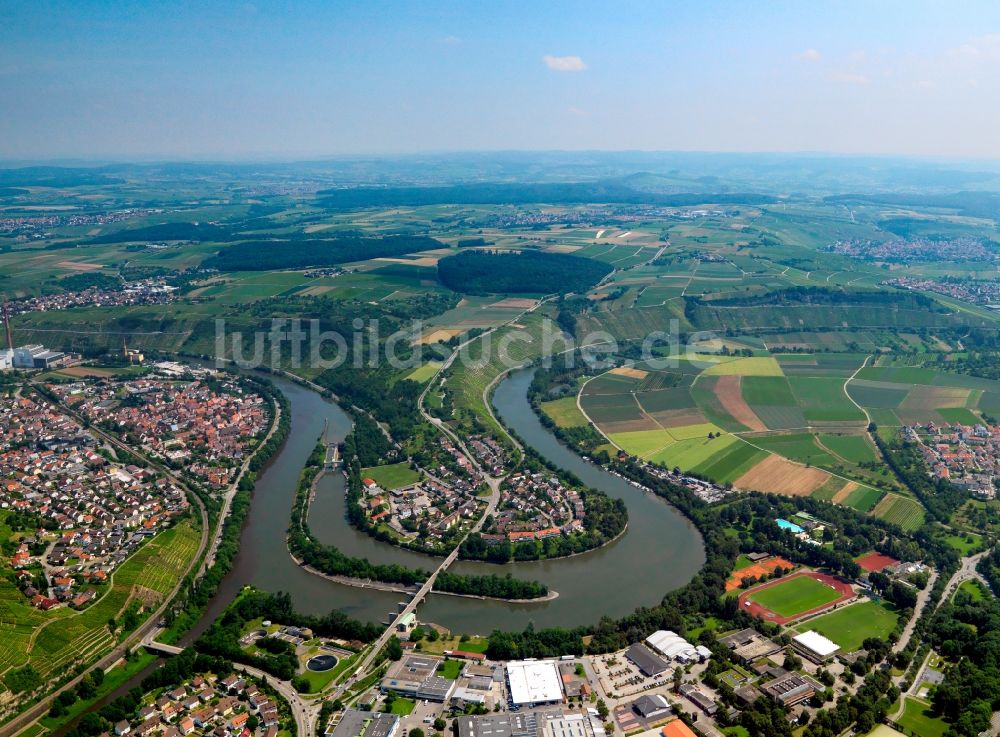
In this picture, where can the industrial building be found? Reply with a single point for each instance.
(815, 647)
(414, 677)
(534, 682)
(674, 647)
(646, 660)
(498, 725)
(652, 706)
(572, 725)
(355, 723)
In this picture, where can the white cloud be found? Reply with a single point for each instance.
(857, 57)
(810, 55)
(451, 40)
(564, 63)
(983, 47)
(849, 78)
(576, 111)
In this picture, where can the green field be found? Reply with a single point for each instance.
(425, 372)
(402, 706)
(822, 399)
(450, 669)
(918, 720)
(850, 626)
(564, 412)
(795, 595)
(964, 543)
(852, 448)
(393, 476)
(900, 510)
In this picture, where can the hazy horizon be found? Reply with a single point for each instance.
(238, 81)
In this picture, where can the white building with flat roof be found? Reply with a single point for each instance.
(815, 646)
(534, 682)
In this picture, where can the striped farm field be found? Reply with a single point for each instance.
(900, 510)
(729, 465)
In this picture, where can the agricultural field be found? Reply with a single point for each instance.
(53, 641)
(564, 412)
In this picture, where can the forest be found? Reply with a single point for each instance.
(307, 252)
(606, 191)
(526, 272)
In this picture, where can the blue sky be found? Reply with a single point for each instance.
(297, 79)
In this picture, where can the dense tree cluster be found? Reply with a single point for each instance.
(612, 191)
(300, 253)
(275, 656)
(940, 498)
(499, 587)
(967, 632)
(524, 272)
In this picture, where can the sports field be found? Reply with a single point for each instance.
(850, 626)
(794, 596)
(786, 599)
(393, 476)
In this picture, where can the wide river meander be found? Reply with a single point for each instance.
(660, 551)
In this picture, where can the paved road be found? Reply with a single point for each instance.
(922, 598)
(305, 712)
(966, 572)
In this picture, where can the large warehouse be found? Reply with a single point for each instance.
(674, 647)
(534, 682)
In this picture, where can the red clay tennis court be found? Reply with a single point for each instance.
(876, 562)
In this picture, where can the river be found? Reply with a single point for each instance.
(660, 551)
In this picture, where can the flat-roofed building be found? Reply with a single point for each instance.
(414, 676)
(749, 645)
(815, 646)
(534, 682)
(498, 725)
(357, 723)
(572, 725)
(791, 688)
(646, 660)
